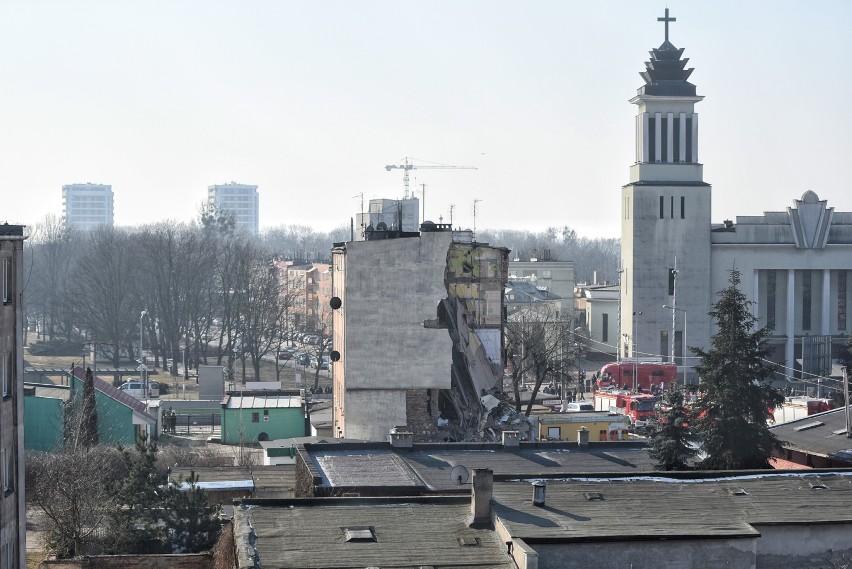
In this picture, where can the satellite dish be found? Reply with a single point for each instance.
(459, 474)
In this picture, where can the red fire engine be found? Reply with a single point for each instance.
(641, 408)
(648, 375)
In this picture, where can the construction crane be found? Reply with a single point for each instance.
(410, 166)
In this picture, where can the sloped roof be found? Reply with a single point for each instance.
(109, 390)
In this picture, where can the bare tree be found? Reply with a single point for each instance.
(263, 312)
(53, 253)
(539, 346)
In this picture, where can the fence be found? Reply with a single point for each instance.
(194, 423)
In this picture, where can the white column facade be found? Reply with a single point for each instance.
(670, 137)
(695, 137)
(658, 139)
(791, 322)
(825, 325)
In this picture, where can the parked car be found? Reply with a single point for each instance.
(303, 359)
(578, 406)
(286, 354)
(322, 363)
(135, 388)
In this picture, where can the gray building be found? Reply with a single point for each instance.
(795, 264)
(383, 214)
(241, 200)
(87, 206)
(557, 277)
(13, 522)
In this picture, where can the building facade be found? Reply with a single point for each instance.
(383, 214)
(795, 264)
(417, 332)
(13, 522)
(87, 206)
(241, 200)
(557, 277)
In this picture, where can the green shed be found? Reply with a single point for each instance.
(254, 416)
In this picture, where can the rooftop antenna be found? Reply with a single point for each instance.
(361, 195)
(452, 207)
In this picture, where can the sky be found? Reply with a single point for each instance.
(311, 100)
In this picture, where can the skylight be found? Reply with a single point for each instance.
(807, 426)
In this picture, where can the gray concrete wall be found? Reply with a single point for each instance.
(371, 414)
(802, 546)
(670, 554)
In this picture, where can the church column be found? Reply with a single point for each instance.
(646, 119)
(825, 325)
(695, 137)
(670, 137)
(683, 137)
(791, 322)
(658, 137)
(756, 294)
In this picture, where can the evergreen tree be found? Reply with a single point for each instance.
(190, 525)
(133, 526)
(89, 412)
(673, 442)
(736, 398)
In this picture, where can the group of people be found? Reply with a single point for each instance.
(169, 421)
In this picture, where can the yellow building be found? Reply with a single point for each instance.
(602, 426)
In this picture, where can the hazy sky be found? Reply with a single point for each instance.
(310, 100)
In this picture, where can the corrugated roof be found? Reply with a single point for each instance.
(262, 401)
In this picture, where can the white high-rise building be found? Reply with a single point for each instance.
(87, 206)
(242, 200)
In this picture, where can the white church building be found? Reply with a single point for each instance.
(795, 264)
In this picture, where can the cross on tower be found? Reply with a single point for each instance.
(666, 19)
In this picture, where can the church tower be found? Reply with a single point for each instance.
(665, 222)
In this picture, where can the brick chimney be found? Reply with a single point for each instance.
(480, 499)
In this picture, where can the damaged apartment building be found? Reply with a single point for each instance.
(417, 334)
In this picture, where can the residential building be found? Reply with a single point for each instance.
(795, 264)
(556, 277)
(384, 214)
(417, 332)
(522, 293)
(13, 521)
(241, 200)
(598, 312)
(308, 287)
(87, 206)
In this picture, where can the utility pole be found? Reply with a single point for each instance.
(674, 306)
(474, 217)
(423, 205)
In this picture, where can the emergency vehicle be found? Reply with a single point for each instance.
(649, 375)
(640, 408)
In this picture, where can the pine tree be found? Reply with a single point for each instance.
(190, 525)
(673, 444)
(736, 398)
(89, 412)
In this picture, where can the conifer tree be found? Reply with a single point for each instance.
(190, 525)
(89, 412)
(736, 398)
(673, 444)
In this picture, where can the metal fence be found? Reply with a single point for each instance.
(193, 423)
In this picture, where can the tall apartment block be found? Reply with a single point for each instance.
(13, 519)
(87, 206)
(240, 199)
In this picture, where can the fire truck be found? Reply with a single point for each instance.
(656, 375)
(640, 408)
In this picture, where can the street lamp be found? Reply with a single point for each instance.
(683, 340)
(635, 348)
(142, 367)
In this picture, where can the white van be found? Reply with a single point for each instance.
(579, 406)
(134, 388)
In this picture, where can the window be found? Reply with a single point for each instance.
(7, 277)
(604, 327)
(679, 346)
(662, 207)
(672, 276)
(7, 470)
(6, 379)
(671, 209)
(554, 433)
(771, 283)
(682, 207)
(255, 417)
(841, 300)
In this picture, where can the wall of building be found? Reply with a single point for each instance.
(115, 420)
(669, 554)
(558, 277)
(42, 423)
(282, 424)
(799, 545)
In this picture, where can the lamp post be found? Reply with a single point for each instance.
(142, 367)
(683, 340)
(636, 316)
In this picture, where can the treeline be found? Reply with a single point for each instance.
(204, 283)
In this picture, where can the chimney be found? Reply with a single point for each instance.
(511, 439)
(401, 437)
(594, 277)
(480, 500)
(539, 488)
(583, 437)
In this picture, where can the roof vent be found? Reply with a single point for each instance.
(469, 541)
(360, 533)
(593, 496)
(817, 486)
(737, 492)
(807, 426)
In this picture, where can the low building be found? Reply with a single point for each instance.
(815, 441)
(601, 426)
(598, 311)
(253, 416)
